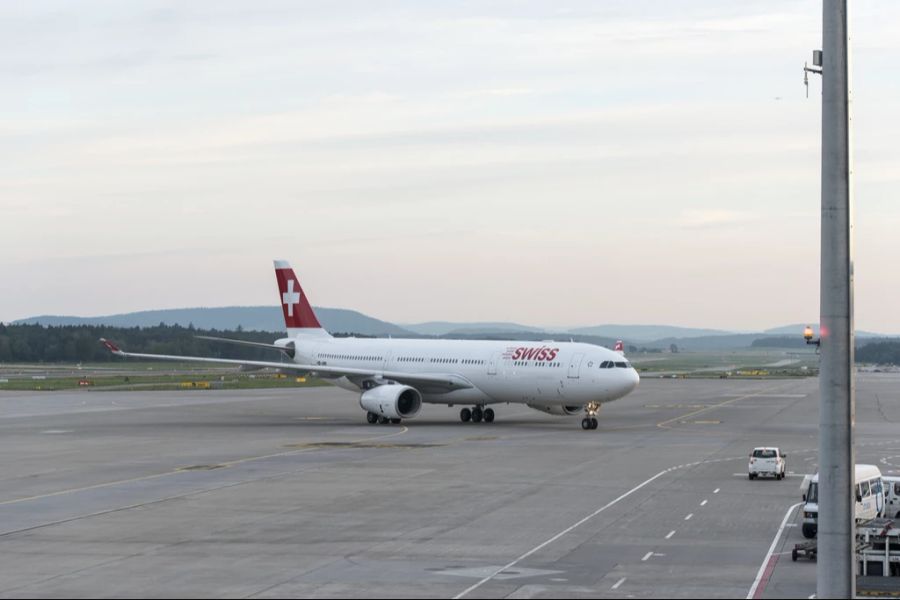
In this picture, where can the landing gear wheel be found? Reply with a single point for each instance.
(489, 415)
(594, 423)
(383, 420)
(372, 418)
(395, 421)
(586, 423)
(465, 415)
(477, 414)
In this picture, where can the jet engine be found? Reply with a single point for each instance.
(559, 410)
(287, 346)
(392, 401)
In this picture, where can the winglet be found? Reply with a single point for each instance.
(112, 347)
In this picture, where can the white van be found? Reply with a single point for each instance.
(869, 497)
(892, 497)
(767, 461)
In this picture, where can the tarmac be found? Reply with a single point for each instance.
(289, 492)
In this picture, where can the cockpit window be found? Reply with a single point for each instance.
(622, 365)
(610, 364)
(604, 364)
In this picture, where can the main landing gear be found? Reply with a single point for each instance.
(477, 415)
(372, 418)
(590, 419)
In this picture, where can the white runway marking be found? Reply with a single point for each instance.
(230, 463)
(618, 583)
(647, 557)
(704, 503)
(537, 548)
(716, 491)
(765, 563)
(670, 534)
(688, 518)
(789, 474)
(513, 563)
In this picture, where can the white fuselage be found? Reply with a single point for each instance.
(539, 373)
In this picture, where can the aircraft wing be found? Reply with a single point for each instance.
(242, 342)
(444, 382)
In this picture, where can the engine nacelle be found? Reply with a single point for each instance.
(287, 346)
(392, 401)
(559, 410)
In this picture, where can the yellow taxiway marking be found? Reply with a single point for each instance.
(665, 424)
(183, 470)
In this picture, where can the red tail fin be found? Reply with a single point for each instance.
(619, 347)
(297, 311)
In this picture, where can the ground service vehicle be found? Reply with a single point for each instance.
(892, 497)
(767, 461)
(869, 498)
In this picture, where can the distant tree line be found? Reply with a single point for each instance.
(883, 352)
(886, 352)
(792, 341)
(80, 343)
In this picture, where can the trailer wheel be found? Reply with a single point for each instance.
(794, 555)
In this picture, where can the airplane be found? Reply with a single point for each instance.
(395, 377)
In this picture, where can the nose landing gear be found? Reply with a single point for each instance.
(590, 419)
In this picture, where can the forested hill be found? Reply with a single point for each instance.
(249, 318)
(885, 352)
(80, 343)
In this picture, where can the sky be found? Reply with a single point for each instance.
(550, 163)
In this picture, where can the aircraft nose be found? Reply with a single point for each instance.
(632, 379)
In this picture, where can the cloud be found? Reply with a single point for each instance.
(710, 218)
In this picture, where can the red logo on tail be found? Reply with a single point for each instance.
(297, 311)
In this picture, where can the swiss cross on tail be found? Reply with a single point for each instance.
(290, 298)
(619, 347)
(297, 311)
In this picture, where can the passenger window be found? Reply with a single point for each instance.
(865, 489)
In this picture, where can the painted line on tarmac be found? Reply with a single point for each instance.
(546, 543)
(768, 565)
(688, 518)
(182, 470)
(571, 528)
(716, 491)
(618, 583)
(772, 478)
(665, 424)
(704, 503)
(647, 557)
(670, 534)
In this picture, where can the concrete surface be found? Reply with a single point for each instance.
(276, 493)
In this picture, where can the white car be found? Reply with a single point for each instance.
(767, 461)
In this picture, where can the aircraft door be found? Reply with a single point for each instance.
(492, 364)
(575, 366)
